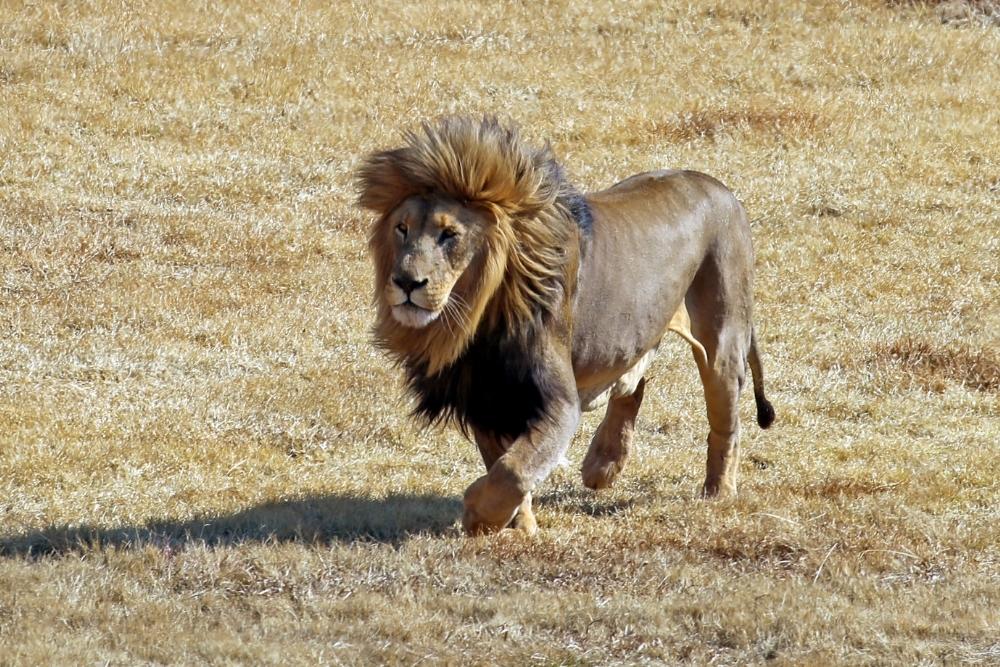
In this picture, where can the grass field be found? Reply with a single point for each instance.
(204, 459)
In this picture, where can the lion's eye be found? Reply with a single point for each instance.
(401, 228)
(446, 235)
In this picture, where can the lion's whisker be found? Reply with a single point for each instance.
(462, 312)
(460, 304)
(445, 312)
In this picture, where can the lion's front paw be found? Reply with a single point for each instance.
(524, 520)
(718, 489)
(489, 506)
(600, 473)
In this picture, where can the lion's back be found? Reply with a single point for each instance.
(679, 186)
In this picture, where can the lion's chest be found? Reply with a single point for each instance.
(494, 387)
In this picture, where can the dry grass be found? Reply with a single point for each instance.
(203, 459)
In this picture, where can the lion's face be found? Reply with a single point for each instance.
(434, 240)
(473, 234)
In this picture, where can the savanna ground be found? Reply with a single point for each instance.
(203, 459)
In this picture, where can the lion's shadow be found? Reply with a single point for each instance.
(316, 519)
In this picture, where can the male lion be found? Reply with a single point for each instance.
(513, 302)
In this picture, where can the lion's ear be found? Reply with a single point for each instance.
(381, 182)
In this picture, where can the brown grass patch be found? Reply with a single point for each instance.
(701, 123)
(845, 488)
(957, 11)
(932, 366)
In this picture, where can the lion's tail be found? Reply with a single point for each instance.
(765, 411)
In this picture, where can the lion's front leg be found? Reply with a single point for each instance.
(492, 500)
(503, 495)
(492, 448)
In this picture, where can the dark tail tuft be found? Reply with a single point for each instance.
(765, 411)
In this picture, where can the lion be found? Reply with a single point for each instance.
(513, 303)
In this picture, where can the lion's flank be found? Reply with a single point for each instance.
(537, 216)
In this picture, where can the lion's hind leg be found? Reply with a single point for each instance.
(612, 443)
(720, 359)
(721, 396)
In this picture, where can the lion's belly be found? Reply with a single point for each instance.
(596, 392)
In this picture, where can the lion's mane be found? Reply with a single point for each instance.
(522, 277)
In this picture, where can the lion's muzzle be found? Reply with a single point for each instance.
(408, 297)
(407, 283)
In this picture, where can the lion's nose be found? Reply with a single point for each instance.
(408, 284)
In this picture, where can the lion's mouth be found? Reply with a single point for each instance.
(411, 315)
